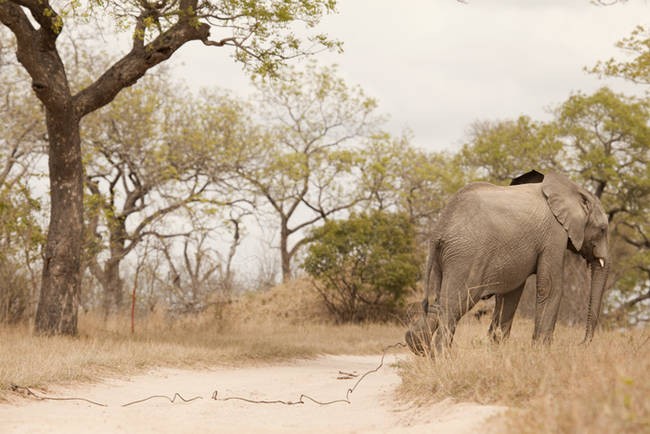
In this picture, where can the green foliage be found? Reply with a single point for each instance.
(21, 239)
(304, 160)
(364, 265)
(150, 155)
(637, 67)
(606, 138)
(262, 34)
(399, 177)
(499, 151)
(21, 235)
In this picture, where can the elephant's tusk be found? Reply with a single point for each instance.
(602, 262)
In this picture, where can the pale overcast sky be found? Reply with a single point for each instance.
(437, 65)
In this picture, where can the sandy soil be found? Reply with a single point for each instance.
(373, 407)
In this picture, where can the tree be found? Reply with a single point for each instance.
(259, 32)
(606, 140)
(21, 236)
(363, 266)
(148, 155)
(636, 69)
(398, 177)
(302, 165)
(502, 150)
(199, 275)
(636, 233)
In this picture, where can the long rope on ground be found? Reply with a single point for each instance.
(215, 395)
(303, 397)
(171, 400)
(29, 392)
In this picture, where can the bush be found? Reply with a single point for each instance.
(363, 266)
(16, 291)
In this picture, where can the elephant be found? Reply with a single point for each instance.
(489, 239)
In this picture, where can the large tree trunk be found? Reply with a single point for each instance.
(598, 281)
(60, 287)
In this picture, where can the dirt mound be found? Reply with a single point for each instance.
(296, 302)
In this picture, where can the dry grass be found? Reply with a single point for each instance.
(294, 302)
(108, 348)
(565, 388)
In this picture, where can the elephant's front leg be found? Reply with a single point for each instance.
(505, 306)
(549, 294)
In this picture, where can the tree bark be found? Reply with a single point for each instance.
(113, 287)
(285, 254)
(59, 300)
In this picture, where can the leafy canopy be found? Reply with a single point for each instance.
(637, 67)
(263, 33)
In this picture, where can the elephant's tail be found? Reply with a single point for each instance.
(433, 276)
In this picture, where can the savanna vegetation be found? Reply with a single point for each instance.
(125, 197)
(286, 322)
(562, 388)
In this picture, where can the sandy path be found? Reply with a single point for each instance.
(372, 408)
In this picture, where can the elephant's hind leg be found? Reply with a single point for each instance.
(420, 333)
(456, 299)
(505, 306)
(433, 276)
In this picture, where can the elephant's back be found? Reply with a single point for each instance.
(486, 197)
(483, 213)
(493, 233)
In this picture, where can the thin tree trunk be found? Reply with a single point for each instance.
(60, 286)
(113, 287)
(228, 277)
(284, 252)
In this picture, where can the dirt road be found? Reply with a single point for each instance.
(372, 409)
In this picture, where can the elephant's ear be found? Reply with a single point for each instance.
(569, 205)
(531, 177)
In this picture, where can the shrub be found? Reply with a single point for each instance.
(16, 293)
(363, 266)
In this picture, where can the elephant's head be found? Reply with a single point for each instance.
(582, 216)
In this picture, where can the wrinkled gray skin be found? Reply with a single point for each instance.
(489, 239)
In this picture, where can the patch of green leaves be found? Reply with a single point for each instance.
(364, 265)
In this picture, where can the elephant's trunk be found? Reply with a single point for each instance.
(598, 280)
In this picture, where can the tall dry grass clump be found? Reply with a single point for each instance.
(564, 388)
